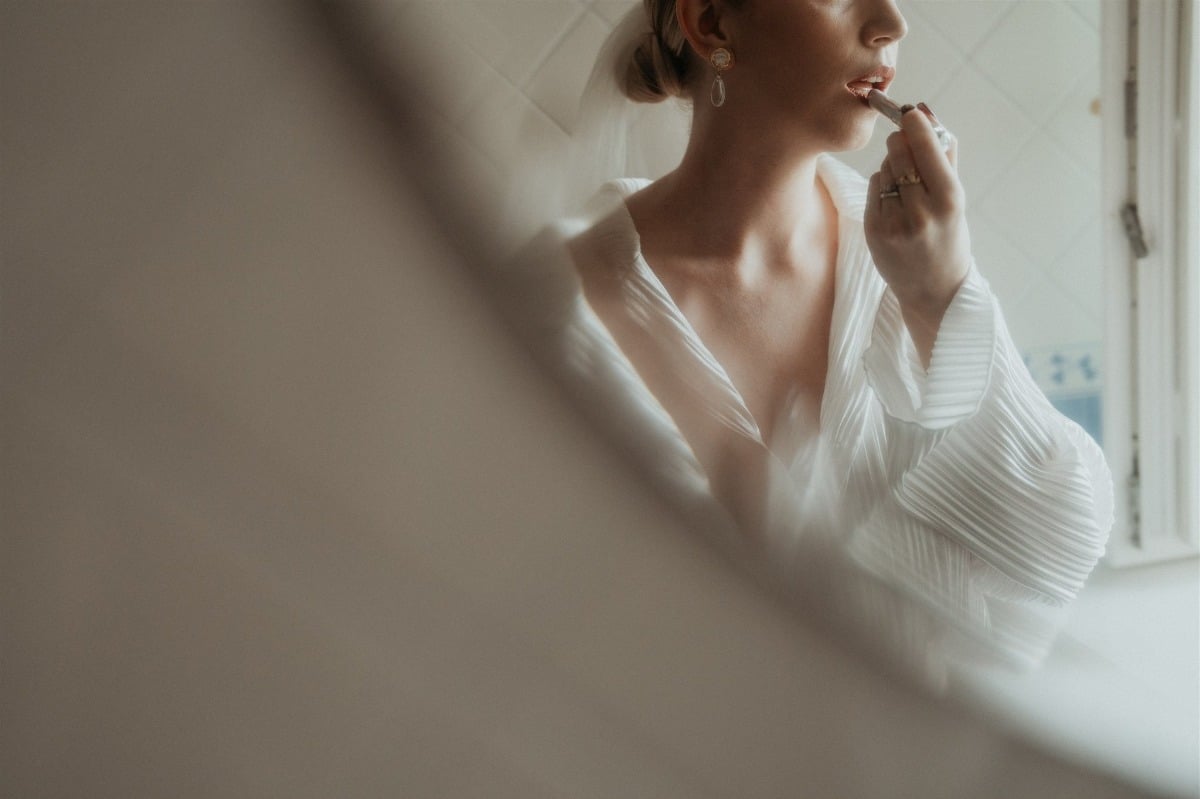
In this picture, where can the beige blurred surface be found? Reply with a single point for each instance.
(284, 513)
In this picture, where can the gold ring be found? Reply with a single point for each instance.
(908, 179)
(886, 193)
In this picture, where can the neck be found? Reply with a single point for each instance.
(746, 194)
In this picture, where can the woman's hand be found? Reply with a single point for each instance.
(918, 235)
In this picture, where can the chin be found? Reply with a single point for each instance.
(855, 139)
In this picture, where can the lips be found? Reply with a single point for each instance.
(877, 78)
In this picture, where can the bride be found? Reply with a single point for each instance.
(819, 351)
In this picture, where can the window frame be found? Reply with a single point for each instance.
(1152, 347)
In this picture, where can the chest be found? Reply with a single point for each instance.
(772, 340)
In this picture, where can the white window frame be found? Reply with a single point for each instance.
(1152, 346)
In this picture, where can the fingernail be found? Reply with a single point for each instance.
(928, 113)
(904, 109)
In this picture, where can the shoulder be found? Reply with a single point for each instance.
(601, 231)
(588, 252)
(605, 243)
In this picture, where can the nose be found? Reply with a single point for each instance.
(885, 25)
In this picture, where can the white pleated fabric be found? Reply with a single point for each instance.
(960, 489)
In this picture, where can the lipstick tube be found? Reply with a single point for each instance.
(884, 105)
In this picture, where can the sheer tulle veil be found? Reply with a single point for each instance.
(612, 136)
(603, 144)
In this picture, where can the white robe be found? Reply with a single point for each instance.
(960, 486)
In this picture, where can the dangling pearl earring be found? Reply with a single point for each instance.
(722, 61)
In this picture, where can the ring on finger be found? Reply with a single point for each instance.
(910, 178)
(890, 191)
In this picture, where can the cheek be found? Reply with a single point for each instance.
(822, 71)
(802, 77)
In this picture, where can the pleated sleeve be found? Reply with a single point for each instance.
(1004, 500)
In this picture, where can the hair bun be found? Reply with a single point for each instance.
(654, 73)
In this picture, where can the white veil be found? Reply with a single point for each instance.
(612, 137)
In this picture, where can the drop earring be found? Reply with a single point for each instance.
(722, 61)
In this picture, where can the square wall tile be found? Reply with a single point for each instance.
(1076, 124)
(962, 23)
(515, 37)
(1091, 10)
(559, 82)
(614, 10)
(1079, 271)
(1037, 53)
(1008, 270)
(509, 128)
(927, 61)
(1046, 317)
(991, 129)
(1041, 201)
(522, 144)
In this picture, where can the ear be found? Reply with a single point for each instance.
(704, 24)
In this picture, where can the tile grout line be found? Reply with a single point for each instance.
(581, 12)
(457, 124)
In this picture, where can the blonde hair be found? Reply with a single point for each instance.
(661, 65)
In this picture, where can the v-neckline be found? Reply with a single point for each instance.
(745, 422)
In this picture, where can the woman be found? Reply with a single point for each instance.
(821, 348)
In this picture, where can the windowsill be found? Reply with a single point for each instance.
(1121, 686)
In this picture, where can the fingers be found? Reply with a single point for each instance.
(887, 181)
(884, 214)
(871, 213)
(952, 151)
(887, 175)
(903, 167)
(934, 166)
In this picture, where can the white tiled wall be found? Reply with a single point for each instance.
(1016, 80)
